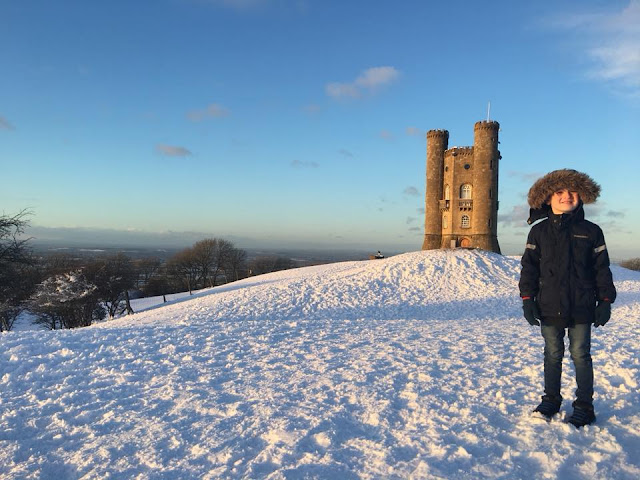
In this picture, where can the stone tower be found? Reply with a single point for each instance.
(461, 203)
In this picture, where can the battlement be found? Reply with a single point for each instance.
(486, 125)
(437, 134)
(459, 151)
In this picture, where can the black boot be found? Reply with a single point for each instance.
(582, 415)
(549, 406)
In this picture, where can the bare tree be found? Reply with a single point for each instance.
(205, 255)
(204, 263)
(13, 248)
(62, 263)
(16, 264)
(162, 282)
(184, 267)
(146, 268)
(236, 262)
(270, 263)
(225, 249)
(631, 264)
(113, 276)
(66, 300)
(262, 264)
(212, 257)
(18, 282)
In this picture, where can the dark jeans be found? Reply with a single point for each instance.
(580, 349)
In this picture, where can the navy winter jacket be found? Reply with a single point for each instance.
(565, 266)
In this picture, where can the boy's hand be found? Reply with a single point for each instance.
(603, 313)
(531, 311)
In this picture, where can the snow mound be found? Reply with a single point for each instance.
(415, 366)
(420, 285)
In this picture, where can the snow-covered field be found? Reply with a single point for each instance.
(415, 366)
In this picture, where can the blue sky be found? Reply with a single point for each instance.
(301, 123)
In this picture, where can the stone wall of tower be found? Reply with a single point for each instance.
(437, 142)
(458, 171)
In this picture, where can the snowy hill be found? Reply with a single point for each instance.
(417, 366)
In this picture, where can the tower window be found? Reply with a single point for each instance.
(490, 194)
(489, 223)
(465, 191)
(465, 222)
(447, 192)
(445, 222)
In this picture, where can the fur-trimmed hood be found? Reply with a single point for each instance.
(544, 187)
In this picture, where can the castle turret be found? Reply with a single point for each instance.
(437, 143)
(485, 182)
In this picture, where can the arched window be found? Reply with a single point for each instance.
(465, 191)
(445, 221)
(464, 221)
(447, 192)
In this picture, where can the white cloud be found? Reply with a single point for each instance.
(301, 164)
(619, 62)
(615, 214)
(312, 108)
(377, 77)
(611, 42)
(4, 124)
(214, 110)
(611, 221)
(386, 135)
(415, 132)
(172, 151)
(237, 4)
(338, 90)
(526, 177)
(368, 82)
(517, 217)
(301, 7)
(412, 191)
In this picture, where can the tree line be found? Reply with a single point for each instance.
(67, 292)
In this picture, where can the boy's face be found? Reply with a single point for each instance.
(564, 201)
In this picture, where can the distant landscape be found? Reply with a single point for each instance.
(301, 257)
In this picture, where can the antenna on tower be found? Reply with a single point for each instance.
(488, 111)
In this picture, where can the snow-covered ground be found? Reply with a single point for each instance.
(415, 366)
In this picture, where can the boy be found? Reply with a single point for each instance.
(566, 283)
